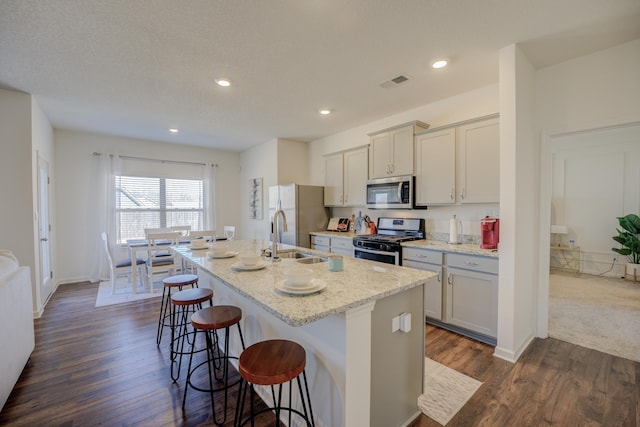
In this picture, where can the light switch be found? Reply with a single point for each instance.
(405, 322)
(395, 324)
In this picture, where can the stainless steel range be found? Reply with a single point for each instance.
(385, 245)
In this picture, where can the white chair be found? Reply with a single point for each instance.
(184, 230)
(208, 235)
(122, 266)
(159, 259)
(229, 231)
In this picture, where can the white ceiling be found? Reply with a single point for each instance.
(136, 68)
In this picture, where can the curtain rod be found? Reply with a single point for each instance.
(215, 165)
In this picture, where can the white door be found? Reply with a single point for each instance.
(44, 229)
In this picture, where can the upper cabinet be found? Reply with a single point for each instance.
(459, 163)
(346, 175)
(392, 150)
(478, 146)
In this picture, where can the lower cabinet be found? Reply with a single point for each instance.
(429, 260)
(338, 245)
(472, 293)
(464, 299)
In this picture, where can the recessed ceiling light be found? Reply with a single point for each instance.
(223, 82)
(324, 111)
(439, 63)
(174, 130)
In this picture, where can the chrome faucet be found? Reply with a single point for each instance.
(274, 250)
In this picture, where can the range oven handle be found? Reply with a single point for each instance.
(396, 255)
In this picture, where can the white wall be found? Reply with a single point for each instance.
(76, 199)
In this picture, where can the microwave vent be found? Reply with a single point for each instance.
(396, 81)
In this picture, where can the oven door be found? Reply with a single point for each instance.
(380, 256)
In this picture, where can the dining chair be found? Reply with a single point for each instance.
(159, 259)
(122, 266)
(184, 230)
(229, 231)
(208, 235)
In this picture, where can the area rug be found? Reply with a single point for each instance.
(124, 293)
(445, 391)
(596, 312)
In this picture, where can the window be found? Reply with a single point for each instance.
(150, 202)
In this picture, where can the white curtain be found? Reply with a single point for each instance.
(209, 172)
(106, 167)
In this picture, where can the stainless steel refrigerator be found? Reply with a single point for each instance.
(304, 208)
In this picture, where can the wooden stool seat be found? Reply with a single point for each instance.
(272, 362)
(216, 317)
(192, 296)
(180, 280)
(207, 321)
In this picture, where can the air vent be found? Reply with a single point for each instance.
(396, 81)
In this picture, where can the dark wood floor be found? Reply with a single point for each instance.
(100, 366)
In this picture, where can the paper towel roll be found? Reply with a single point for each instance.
(453, 230)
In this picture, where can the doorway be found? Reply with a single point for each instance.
(44, 231)
(594, 177)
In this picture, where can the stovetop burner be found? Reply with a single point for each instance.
(392, 232)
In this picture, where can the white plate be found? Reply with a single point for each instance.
(240, 267)
(227, 254)
(318, 285)
(197, 248)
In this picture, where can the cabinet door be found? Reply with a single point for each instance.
(432, 289)
(356, 173)
(402, 141)
(479, 162)
(472, 301)
(333, 180)
(381, 155)
(436, 168)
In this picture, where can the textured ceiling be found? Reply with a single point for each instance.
(136, 68)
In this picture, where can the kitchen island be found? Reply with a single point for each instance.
(361, 373)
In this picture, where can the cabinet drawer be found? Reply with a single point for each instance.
(471, 262)
(422, 255)
(341, 243)
(320, 240)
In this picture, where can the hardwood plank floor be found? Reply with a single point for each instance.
(100, 366)
(553, 383)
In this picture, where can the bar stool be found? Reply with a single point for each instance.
(169, 283)
(184, 303)
(208, 321)
(270, 363)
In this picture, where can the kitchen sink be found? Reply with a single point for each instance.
(301, 257)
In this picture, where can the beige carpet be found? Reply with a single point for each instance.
(124, 293)
(445, 391)
(596, 312)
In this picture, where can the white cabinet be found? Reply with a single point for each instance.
(472, 293)
(391, 150)
(478, 146)
(334, 244)
(346, 175)
(320, 243)
(436, 168)
(459, 163)
(342, 246)
(429, 260)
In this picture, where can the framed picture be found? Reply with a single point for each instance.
(255, 198)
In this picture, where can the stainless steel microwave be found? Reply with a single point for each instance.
(390, 193)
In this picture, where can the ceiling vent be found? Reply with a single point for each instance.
(396, 81)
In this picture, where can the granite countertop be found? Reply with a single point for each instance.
(464, 248)
(359, 283)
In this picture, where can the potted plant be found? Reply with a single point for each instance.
(629, 238)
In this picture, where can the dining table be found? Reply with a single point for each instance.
(138, 248)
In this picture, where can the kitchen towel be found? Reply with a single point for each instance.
(453, 230)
